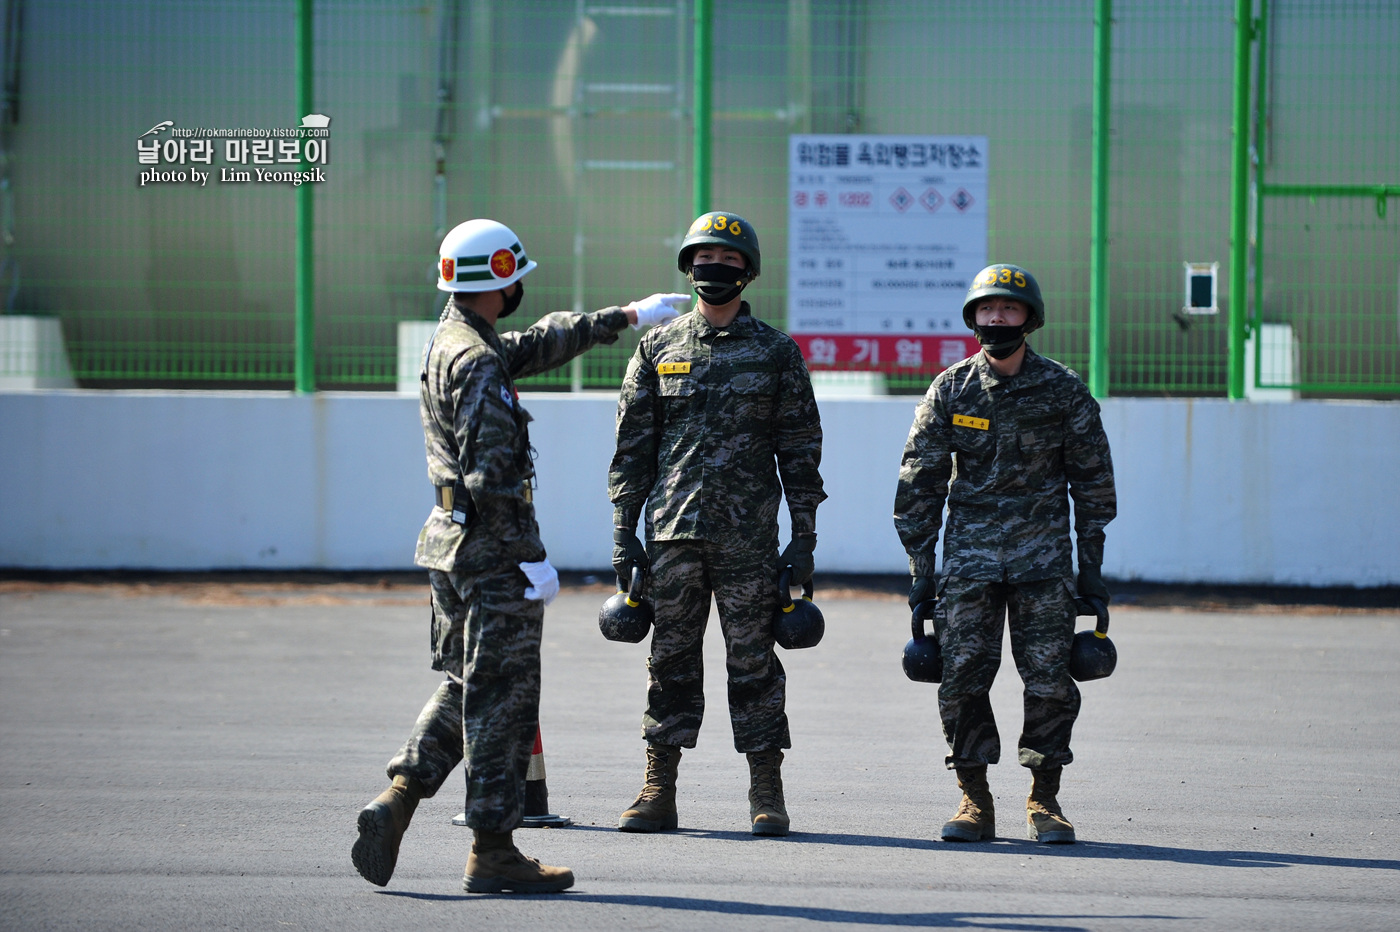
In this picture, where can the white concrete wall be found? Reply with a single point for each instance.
(193, 480)
(1209, 491)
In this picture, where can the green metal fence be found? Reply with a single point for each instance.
(1326, 245)
(574, 123)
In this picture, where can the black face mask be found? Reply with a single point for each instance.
(717, 283)
(512, 301)
(1000, 342)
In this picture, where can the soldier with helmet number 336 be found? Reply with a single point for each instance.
(715, 408)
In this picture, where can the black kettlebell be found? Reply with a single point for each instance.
(627, 616)
(797, 623)
(1092, 655)
(923, 658)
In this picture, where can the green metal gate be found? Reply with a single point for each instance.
(1325, 315)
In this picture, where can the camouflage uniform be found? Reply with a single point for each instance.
(1006, 453)
(708, 422)
(485, 633)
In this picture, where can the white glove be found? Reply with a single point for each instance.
(544, 581)
(658, 309)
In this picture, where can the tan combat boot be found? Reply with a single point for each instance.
(976, 818)
(1044, 820)
(382, 824)
(495, 865)
(766, 793)
(655, 807)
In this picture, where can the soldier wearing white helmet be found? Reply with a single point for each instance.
(481, 545)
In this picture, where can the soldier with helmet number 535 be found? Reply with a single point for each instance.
(1006, 438)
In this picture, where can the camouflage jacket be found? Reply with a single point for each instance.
(707, 422)
(1016, 449)
(474, 427)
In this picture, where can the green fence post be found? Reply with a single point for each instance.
(1255, 323)
(700, 187)
(306, 270)
(1261, 97)
(1239, 197)
(1098, 255)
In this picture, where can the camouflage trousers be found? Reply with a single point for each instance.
(487, 711)
(684, 574)
(1041, 616)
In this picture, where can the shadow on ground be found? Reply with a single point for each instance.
(1096, 850)
(1018, 922)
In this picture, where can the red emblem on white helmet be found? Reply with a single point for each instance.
(503, 263)
(481, 255)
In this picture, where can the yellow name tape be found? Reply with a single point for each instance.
(673, 368)
(980, 423)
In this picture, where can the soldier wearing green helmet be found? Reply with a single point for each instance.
(1025, 437)
(1007, 281)
(727, 232)
(716, 423)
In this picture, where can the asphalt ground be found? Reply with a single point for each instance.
(192, 753)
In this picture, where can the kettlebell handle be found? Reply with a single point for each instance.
(785, 588)
(634, 591)
(924, 610)
(1093, 605)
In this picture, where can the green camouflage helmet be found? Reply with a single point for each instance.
(1009, 281)
(720, 228)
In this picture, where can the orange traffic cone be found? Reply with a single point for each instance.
(537, 814)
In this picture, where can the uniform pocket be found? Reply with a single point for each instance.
(976, 439)
(680, 395)
(1042, 438)
(448, 632)
(755, 394)
(1042, 454)
(755, 383)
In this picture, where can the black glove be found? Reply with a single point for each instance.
(798, 555)
(923, 589)
(628, 551)
(1090, 582)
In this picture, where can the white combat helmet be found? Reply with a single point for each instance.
(481, 255)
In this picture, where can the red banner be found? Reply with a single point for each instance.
(884, 352)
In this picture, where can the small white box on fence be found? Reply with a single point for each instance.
(1278, 364)
(413, 339)
(1201, 278)
(32, 354)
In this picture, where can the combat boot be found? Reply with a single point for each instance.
(655, 807)
(382, 824)
(495, 865)
(766, 793)
(1044, 820)
(976, 818)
